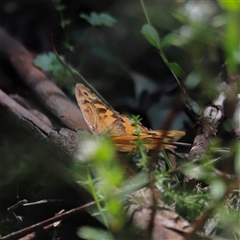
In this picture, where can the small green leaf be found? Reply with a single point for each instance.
(101, 19)
(60, 7)
(217, 189)
(192, 80)
(151, 35)
(48, 62)
(194, 171)
(231, 42)
(94, 234)
(169, 39)
(219, 21)
(176, 69)
(105, 151)
(44, 61)
(65, 22)
(230, 5)
(68, 46)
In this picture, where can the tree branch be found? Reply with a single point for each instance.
(64, 141)
(46, 91)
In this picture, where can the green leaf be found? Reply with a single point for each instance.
(151, 35)
(193, 80)
(169, 39)
(230, 5)
(44, 61)
(48, 62)
(65, 22)
(194, 171)
(101, 19)
(68, 46)
(94, 234)
(176, 69)
(231, 43)
(217, 189)
(60, 7)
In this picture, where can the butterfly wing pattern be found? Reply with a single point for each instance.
(101, 119)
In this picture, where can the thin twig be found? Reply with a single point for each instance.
(34, 227)
(210, 119)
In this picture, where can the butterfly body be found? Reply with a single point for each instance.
(101, 118)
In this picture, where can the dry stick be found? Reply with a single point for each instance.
(211, 118)
(58, 217)
(64, 141)
(34, 227)
(49, 94)
(209, 122)
(14, 109)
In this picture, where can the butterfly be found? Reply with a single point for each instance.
(102, 119)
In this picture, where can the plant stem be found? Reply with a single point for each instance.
(95, 197)
(170, 165)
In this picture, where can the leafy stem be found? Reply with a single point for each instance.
(139, 143)
(95, 197)
(170, 165)
(152, 36)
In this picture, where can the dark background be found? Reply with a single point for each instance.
(118, 61)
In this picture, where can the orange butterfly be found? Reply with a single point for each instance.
(101, 119)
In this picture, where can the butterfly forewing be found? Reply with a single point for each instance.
(101, 118)
(98, 116)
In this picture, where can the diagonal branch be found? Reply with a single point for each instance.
(211, 117)
(46, 91)
(64, 141)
